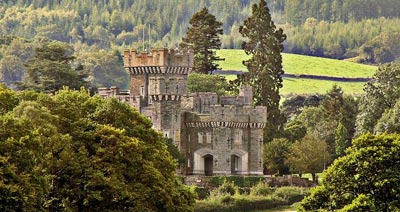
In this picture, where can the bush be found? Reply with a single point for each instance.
(240, 181)
(200, 192)
(261, 189)
(291, 194)
(238, 203)
(227, 187)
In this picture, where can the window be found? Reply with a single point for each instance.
(200, 137)
(166, 134)
(236, 163)
(238, 136)
(141, 90)
(209, 137)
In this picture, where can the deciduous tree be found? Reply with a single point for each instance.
(380, 94)
(308, 155)
(73, 152)
(365, 179)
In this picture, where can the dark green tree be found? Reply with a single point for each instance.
(51, 69)
(264, 44)
(203, 37)
(380, 94)
(275, 154)
(365, 179)
(207, 83)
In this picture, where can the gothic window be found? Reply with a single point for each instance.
(166, 134)
(238, 136)
(200, 137)
(236, 162)
(209, 137)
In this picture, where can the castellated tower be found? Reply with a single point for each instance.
(158, 82)
(219, 135)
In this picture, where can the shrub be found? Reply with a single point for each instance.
(238, 203)
(241, 181)
(227, 187)
(261, 189)
(291, 194)
(200, 192)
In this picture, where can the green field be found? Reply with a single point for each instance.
(300, 64)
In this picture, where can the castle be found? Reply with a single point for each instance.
(219, 135)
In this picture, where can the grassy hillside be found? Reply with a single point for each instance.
(299, 64)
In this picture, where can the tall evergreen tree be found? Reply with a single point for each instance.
(203, 37)
(264, 44)
(50, 69)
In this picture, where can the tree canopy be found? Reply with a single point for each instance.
(264, 44)
(203, 38)
(70, 151)
(380, 94)
(365, 179)
(50, 69)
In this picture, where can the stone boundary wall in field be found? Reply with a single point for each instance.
(301, 76)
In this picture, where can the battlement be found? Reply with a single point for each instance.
(158, 58)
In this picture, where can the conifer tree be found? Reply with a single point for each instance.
(264, 44)
(50, 69)
(203, 37)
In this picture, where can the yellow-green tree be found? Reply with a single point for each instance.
(73, 152)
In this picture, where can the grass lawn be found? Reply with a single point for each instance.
(300, 64)
(311, 86)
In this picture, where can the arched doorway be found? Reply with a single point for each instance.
(208, 165)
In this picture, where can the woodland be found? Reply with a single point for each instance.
(361, 31)
(70, 150)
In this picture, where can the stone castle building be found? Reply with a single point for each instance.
(219, 135)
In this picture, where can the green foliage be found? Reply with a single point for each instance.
(275, 154)
(314, 27)
(50, 69)
(291, 194)
(73, 152)
(264, 44)
(238, 203)
(8, 99)
(360, 204)
(308, 155)
(341, 143)
(207, 83)
(366, 177)
(295, 130)
(380, 94)
(203, 38)
(263, 198)
(200, 192)
(240, 181)
(228, 187)
(179, 158)
(261, 189)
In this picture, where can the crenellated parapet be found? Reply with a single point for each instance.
(178, 70)
(157, 58)
(230, 116)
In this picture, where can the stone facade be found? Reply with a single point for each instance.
(219, 135)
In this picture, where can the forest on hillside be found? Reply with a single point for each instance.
(366, 31)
